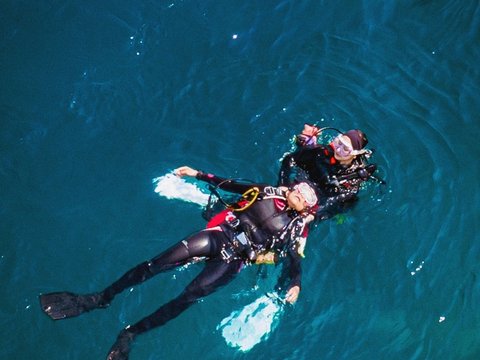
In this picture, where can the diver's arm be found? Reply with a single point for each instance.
(224, 184)
(230, 185)
(285, 170)
(334, 205)
(306, 139)
(302, 157)
(295, 274)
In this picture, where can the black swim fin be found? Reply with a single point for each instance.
(63, 305)
(121, 348)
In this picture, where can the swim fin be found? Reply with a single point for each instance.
(121, 348)
(63, 305)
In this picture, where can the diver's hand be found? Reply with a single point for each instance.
(310, 130)
(309, 218)
(292, 294)
(308, 136)
(266, 258)
(185, 171)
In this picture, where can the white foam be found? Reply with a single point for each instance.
(245, 328)
(174, 187)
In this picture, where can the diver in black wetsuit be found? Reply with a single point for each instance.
(336, 170)
(275, 220)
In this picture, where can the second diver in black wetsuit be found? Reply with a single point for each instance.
(337, 170)
(274, 221)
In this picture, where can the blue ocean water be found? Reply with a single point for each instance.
(97, 99)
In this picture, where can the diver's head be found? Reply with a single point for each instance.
(301, 197)
(358, 138)
(349, 145)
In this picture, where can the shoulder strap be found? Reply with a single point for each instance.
(271, 192)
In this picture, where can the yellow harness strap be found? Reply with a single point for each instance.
(250, 196)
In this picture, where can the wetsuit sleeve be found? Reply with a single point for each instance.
(295, 268)
(337, 204)
(301, 158)
(288, 163)
(305, 158)
(228, 184)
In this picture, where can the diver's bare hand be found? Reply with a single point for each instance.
(308, 136)
(185, 171)
(292, 294)
(310, 130)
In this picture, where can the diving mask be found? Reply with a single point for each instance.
(307, 192)
(344, 148)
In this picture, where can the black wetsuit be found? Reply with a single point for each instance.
(269, 221)
(317, 164)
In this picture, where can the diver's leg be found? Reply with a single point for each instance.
(197, 245)
(216, 274)
(62, 305)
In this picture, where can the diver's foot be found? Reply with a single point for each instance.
(63, 305)
(121, 348)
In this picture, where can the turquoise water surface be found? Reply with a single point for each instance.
(97, 99)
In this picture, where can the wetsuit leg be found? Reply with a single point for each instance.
(62, 305)
(202, 244)
(215, 274)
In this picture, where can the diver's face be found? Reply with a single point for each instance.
(343, 148)
(296, 200)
